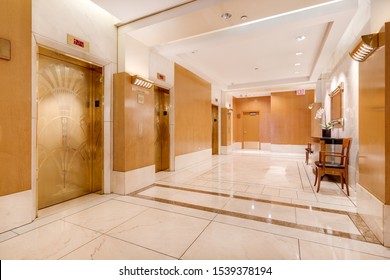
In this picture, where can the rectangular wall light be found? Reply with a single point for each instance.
(367, 46)
(141, 82)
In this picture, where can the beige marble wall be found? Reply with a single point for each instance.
(130, 181)
(372, 211)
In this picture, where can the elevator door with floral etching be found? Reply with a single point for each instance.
(69, 129)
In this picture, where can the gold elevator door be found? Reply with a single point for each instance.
(69, 129)
(161, 128)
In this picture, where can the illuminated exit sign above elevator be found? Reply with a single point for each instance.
(77, 42)
(301, 92)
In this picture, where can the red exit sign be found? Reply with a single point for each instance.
(301, 92)
(161, 77)
(77, 42)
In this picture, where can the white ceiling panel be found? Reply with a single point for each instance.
(129, 10)
(258, 53)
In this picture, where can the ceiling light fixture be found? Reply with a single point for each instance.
(301, 38)
(367, 46)
(244, 18)
(226, 16)
(141, 82)
(297, 64)
(299, 53)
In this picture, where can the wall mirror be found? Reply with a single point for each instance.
(336, 106)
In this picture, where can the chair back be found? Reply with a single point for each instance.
(342, 155)
(345, 151)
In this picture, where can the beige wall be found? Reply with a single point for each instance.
(193, 129)
(284, 117)
(255, 104)
(133, 125)
(291, 118)
(15, 98)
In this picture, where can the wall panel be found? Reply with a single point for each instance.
(133, 125)
(374, 122)
(193, 130)
(291, 118)
(255, 104)
(15, 98)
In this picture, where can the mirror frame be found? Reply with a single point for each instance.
(336, 106)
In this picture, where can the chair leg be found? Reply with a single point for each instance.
(315, 180)
(307, 157)
(346, 183)
(319, 178)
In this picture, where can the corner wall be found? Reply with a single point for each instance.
(192, 110)
(17, 206)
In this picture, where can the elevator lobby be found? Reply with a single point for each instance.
(194, 130)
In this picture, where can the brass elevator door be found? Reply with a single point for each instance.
(161, 129)
(214, 115)
(69, 130)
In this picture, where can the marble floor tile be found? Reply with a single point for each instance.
(109, 248)
(169, 207)
(216, 209)
(48, 242)
(271, 191)
(67, 205)
(7, 235)
(255, 189)
(226, 242)
(161, 231)
(195, 198)
(105, 216)
(316, 251)
(306, 196)
(331, 221)
(288, 194)
(260, 209)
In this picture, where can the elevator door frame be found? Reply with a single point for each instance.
(95, 119)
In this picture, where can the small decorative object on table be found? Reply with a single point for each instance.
(326, 127)
(326, 133)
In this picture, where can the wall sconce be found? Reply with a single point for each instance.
(141, 82)
(367, 46)
(337, 90)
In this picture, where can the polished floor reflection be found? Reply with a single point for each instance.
(249, 205)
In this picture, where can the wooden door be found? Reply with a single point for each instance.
(251, 130)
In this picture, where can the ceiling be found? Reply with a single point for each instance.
(253, 52)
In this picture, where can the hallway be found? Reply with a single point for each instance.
(248, 205)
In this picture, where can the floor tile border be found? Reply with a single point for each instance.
(366, 233)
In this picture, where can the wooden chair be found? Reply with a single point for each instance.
(308, 152)
(333, 163)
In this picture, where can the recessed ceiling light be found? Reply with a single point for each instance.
(296, 72)
(301, 38)
(226, 15)
(244, 18)
(299, 53)
(297, 64)
(256, 68)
